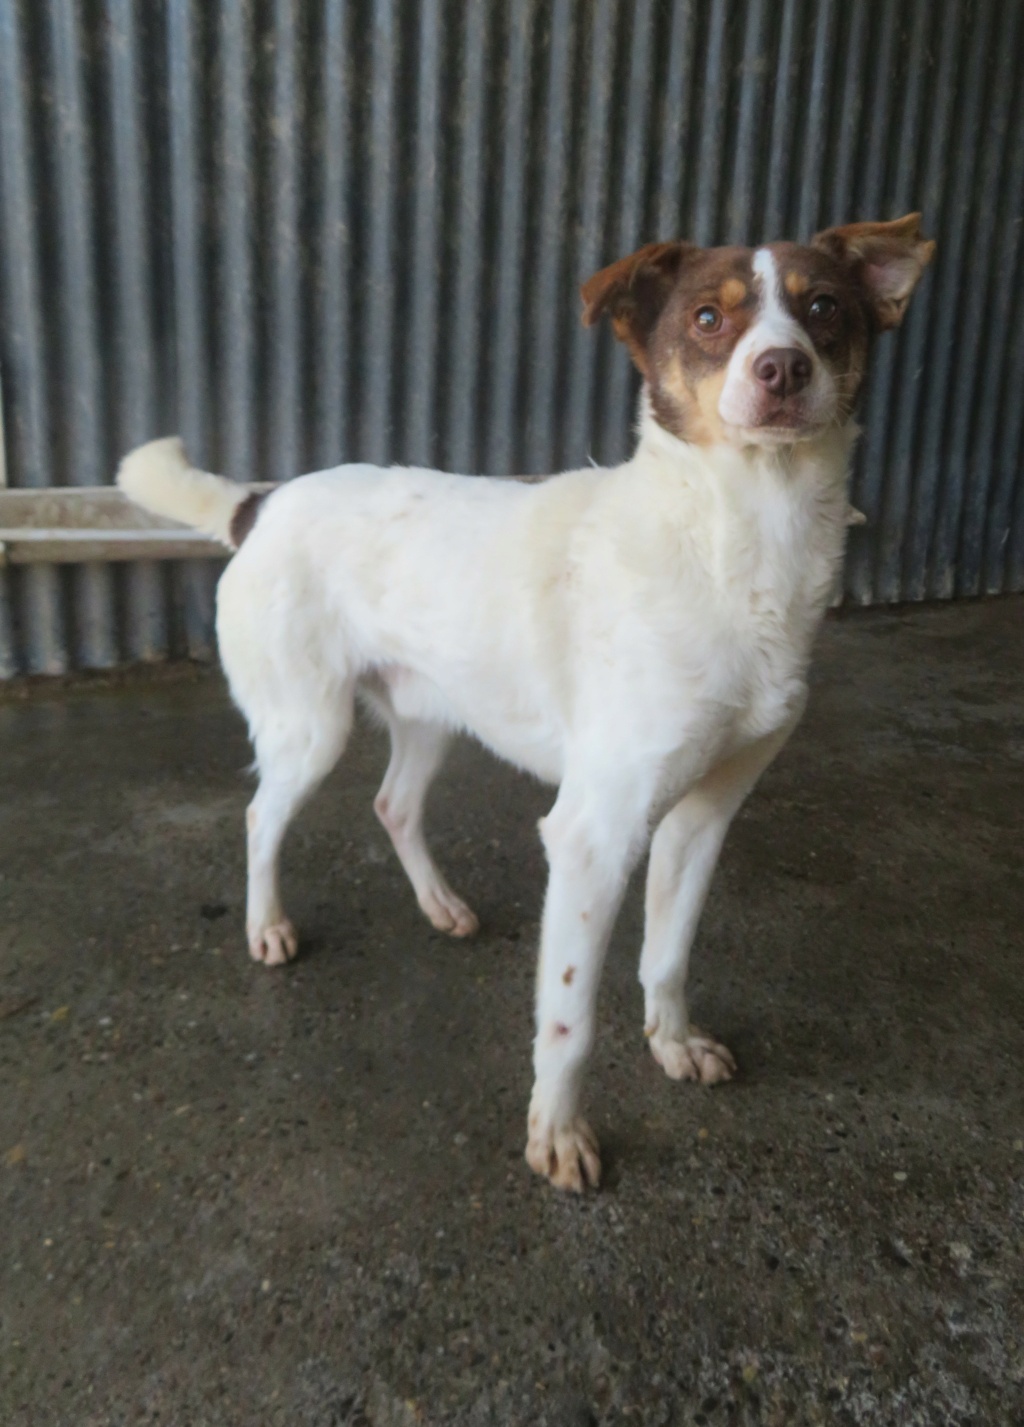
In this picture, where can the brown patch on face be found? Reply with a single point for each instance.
(687, 364)
(822, 296)
(707, 393)
(653, 298)
(732, 292)
(683, 405)
(567, 975)
(245, 515)
(633, 293)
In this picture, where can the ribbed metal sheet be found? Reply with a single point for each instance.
(306, 231)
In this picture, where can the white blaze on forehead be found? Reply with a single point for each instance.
(774, 326)
(763, 263)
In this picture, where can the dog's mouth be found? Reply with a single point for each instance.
(791, 415)
(778, 427)
(762, 418)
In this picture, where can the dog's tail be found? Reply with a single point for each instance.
(158, 477)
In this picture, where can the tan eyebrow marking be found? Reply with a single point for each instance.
(732, 292)
(796, 284)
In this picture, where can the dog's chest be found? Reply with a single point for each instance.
(775, 567)
(768, 668)
(761, 567)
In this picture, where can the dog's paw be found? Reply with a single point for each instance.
(449, 913)
(274, 945)
(569, 1157)
(696, 1057)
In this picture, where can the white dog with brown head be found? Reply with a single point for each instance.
(638, 636)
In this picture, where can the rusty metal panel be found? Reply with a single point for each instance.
(307, 231)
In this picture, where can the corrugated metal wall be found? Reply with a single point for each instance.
(307, 232)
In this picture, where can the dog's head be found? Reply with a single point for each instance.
(759, 346)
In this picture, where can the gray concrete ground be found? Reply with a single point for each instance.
(237, 1196)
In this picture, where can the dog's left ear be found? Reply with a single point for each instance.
(890, 258)
(633, 292)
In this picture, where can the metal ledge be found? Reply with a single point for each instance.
(67, 525)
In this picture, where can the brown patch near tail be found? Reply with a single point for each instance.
(244, 517)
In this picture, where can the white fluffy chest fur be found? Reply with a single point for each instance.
(763, 535)
(666, 603)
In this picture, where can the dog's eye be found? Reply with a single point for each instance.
(707, 319)
(824, 308)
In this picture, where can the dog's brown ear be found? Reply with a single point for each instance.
(633, 292)
(889, 257)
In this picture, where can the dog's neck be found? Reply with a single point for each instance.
(775, 518)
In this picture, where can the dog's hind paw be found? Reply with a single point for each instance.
(569, 1157)
(274, 945)
(696, 1057)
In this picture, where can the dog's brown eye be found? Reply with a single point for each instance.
(708, 319)
(824, 308)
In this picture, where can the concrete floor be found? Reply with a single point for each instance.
(236, 1196)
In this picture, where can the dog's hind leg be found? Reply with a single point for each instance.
(417, 750)
(296, 747)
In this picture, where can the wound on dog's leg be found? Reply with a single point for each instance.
(586, 884)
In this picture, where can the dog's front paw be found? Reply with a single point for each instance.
(449, 913)
(694, 1057)
(275, 944)
(569, 1157)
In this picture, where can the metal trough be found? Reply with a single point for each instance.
(68, 525)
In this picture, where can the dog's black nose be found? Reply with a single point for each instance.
(783, 370)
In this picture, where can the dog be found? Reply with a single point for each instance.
(638, 636)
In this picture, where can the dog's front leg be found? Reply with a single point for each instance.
(591, 844)
(684, 852)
